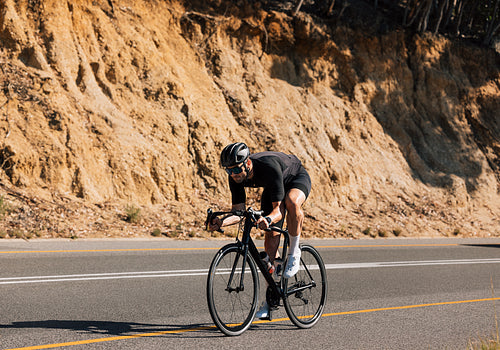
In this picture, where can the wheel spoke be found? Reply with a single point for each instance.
(231, 307)
(306, 291)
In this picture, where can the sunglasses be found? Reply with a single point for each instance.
(236, 170)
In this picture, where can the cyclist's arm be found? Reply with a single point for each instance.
(275, 216)
(231, 220)
(217, 223)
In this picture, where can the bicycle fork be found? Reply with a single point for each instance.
(241, 286)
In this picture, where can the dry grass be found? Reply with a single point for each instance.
(484, 344)
(492, 343)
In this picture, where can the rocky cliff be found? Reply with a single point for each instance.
(108, 107)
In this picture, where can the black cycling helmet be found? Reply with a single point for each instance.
(234, 154)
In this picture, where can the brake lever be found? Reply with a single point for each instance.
(209, 217)
(210, 214)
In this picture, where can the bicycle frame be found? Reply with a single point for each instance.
(232, 308)
(248, 246)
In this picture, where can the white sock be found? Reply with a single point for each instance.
(294, 245)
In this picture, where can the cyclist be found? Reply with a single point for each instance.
(286, 186)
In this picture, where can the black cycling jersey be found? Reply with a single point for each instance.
(277, 172)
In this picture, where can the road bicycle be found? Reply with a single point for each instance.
(233, 280)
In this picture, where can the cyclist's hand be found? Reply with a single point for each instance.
(262, 223)
(215, 224)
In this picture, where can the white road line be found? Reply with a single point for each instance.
(202, 272)
(108, 274)
(411, 263)
(102, 276)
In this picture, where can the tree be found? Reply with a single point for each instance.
(493, 24)
(442, 6)
(475, 19)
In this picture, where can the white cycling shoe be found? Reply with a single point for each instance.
(263, 312)
(292, 266)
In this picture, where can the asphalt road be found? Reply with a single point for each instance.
(150, 294)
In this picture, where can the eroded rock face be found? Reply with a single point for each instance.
(107, 104)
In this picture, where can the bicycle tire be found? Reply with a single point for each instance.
(232, 310)
(305, 307)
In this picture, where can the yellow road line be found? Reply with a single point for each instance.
(406, 307)
(103, 250)
(155, 334)
(213, 248)
(123, 337)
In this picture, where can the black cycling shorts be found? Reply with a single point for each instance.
(301, 181)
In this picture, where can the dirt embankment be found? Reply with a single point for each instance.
(109, 106)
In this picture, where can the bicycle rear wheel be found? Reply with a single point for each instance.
(305, 295)
(232, 307)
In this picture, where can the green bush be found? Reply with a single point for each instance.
(382, 233)
(133, 213)
(156, 232)
(4, 207)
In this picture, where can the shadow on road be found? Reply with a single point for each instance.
(125, 328)
(107, 327)
(485, 245)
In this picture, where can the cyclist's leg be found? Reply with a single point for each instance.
(295, 197)
(294, 200)
(271, 245)
(271, 239)
(297, 192)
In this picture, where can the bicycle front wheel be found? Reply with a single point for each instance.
(232, 290)
(305, 295)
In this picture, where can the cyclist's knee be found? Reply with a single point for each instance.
(295, 197)
(294, 207)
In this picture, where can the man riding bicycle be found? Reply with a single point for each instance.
(286, 186)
